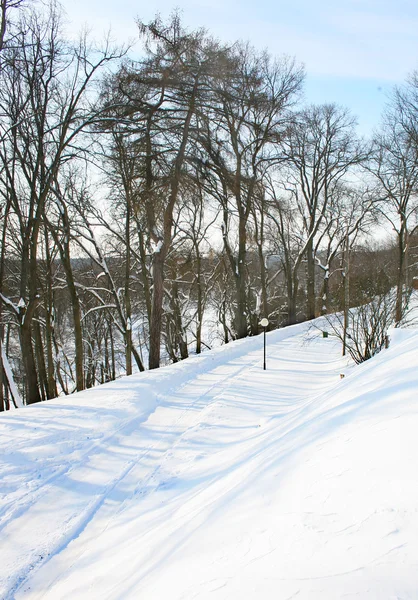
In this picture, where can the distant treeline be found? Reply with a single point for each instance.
(150, 207)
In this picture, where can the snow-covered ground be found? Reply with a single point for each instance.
(215, 479)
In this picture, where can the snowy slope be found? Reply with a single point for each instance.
(214, 479)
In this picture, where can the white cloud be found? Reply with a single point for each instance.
(367, 38)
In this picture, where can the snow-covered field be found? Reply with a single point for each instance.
(215, 479)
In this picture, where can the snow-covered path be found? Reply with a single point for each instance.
(206, 479)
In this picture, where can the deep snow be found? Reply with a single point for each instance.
(214, 479)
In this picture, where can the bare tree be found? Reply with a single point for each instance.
(45, 106)
(196, 221)
(240, 134)
(5, 7)
(368, 324)
(349, 214)
(320, 150)
(288, 241)
(126, 224)
(405, 105)
(394, 165)
(158, 100)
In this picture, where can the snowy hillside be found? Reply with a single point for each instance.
(214, 479)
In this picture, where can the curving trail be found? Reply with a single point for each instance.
(206, 479)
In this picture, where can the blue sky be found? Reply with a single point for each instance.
(354, 52)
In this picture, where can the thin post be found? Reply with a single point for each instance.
(264, 324)
(264, 348)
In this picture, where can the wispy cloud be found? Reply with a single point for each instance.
(356, 40)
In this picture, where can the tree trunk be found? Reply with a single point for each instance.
(128, 329)
(310, 282)
(138, 359)
(112, 354)
(292, 291)
(128, 348)
(65, 256)
(32, 388)
(178, 322)
(346, 276)
(52, 384)
(240, 321)
(223, 321)
(156, 311)
(52, 390)
(144, 273)
(40, 361)
(292, 310)
(401, 273)
(263, 278)
(29, 266)
(199, 309)
(325, 294)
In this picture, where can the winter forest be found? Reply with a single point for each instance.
(158, 205)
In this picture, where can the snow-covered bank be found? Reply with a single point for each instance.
(212, 478)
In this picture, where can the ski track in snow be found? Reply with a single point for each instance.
(76, 521)
(43, 488)
(210, 478)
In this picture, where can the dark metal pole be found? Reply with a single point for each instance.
(264, 348)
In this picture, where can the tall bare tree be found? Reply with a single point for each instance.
(249, 116)
(158, 98)
(320, 149)
(394, 165)
(45, 105)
